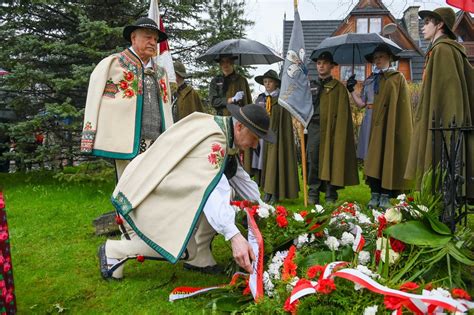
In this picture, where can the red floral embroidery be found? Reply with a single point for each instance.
(129, 93)
(140, 258)
(216, 157)
(164, 90)
(123, 85)
(129, 76)
(118, 220)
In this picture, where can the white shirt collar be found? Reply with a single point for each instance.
(150, 62)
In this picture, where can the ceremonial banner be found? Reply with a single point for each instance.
(295, 92)
(164, 58)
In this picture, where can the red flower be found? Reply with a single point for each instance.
(129, 93)
(291, 308)
(280, 210)
(410, 199)
(382, 225)
(289, 267)
(397, 246)
(314, 271)
(392, 302)
(429, 286)
(409, 286)
(460, 294)
(140, 258)
(212, 157)
(128, 75)
(222, 152)
(314, 227)
(326, 286)
(215, 147)
(118, 220)
(123, 85)
(304, 213)
(377, 256)
(282, 221)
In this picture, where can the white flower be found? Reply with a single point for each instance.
(332, 243)
(376, 214)
(347, 239)
(364, 257)
(393, 256)
(277, 262)
(440, 292)
(423, 208)
(371, 310)
(362, 218)
(301, 240)
(268, 284)
(298, 217)
(318, 209)
(381, 243)
(263, 212)
(358, 287)
(367, 272)
(402, 197)
(393, 215)
(312, 238)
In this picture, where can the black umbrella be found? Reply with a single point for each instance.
(248, 52)
(351, 48)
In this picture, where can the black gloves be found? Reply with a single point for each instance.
(351, 83)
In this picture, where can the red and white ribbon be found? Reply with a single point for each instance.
(359, 240)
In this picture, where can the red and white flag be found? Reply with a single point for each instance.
(164, 58)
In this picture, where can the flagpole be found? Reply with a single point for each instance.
(303, 147)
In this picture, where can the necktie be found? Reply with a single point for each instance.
(268, 105)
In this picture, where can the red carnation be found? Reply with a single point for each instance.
(314, 227)
(129, 93)
(397, 246)
(289, 267)
(392, 302)
(410, 199)
(304, 213)
(280, 210)
(128, 75)
(140, 258)
(314, 271)
(118, 220)
(291, 308)
(460, 294)
(409, 286)
(326, 286)
(123, 85)
(281, 221)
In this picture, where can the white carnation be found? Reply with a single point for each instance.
(402, 197)
(347, 239)
(332, 243)
(362, 218)
(318, 209)
(440, 292)
(301, 240)
(268, 284)
(298, 217)
(366, 271)
(371, 310)
(263, 212)
(364, 257)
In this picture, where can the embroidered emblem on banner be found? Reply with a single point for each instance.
(216, 157)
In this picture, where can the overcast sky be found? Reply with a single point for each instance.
(268, 16)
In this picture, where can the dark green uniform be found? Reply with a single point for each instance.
(224, 87)
(187, 102)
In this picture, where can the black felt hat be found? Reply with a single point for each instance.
(255, 118)
(270, 74)
(326, 55)
(381, 48)
(143, 22)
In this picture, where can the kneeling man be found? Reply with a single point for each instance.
(182, 182)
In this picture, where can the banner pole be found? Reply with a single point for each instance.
(303, 163)
(295, 3)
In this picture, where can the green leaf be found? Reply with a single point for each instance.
(457, 254)
(417, 233)
(319, 258)
(438, 226)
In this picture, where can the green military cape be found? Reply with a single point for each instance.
(390, 133)
(337, 155)
(162, 192)
(448, 93)
(188, 102)
(280, 165)
(237, 83)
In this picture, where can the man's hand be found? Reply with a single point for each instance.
(238, 96)
(351, 83)
(242, 252)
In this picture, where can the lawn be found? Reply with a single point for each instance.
(54, 252)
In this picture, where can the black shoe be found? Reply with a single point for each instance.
(313, 200)
(274, 199)
(103, 266)
(210, 270)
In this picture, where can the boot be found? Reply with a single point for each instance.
(331, 193)
(267, 197)
(374, 201)
(384, 201)
(274, 199)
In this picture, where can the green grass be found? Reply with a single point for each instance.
(54, 252)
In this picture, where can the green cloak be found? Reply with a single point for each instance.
(218, 97)
(188, 102)
(390, 133)
(448, 94)
(337, 155)
(280, 165)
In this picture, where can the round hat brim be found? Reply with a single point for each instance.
(183, 75)
(259, 79)
(127, 32)
(234, 110)
(425, 13)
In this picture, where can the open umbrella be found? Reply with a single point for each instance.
(465, 5)
(248, 52)
(352, 47)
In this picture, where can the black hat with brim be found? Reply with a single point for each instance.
(255, 118)
(325, 55)
(446, 15)
(146, 23)
(384, 49)
(270, 74)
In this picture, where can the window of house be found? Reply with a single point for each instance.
(369, 25)
(346, 72)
